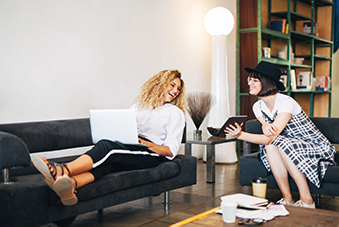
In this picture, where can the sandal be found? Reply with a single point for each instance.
(64, 187)
(49, 169)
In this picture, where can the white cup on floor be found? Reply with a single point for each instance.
(228, 208)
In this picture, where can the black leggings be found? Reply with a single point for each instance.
(111, 157)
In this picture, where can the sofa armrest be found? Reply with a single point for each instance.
(250, 166)
(251, 126)
(246, 148)
(13, 151)
(188, 168)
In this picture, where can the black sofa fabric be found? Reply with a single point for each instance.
(122, 180)
(19, 158)
(41, 136)
(30, 202)
(250, 166)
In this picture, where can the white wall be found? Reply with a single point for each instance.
(335, 85)
(58, 59)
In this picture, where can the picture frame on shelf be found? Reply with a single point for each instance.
(304, 80)
(322, 83)
(283, 80)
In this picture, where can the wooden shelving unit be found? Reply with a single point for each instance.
(253, 18)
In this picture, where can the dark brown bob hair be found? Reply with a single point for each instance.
(268, 86)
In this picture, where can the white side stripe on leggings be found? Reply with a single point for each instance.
(122, 152)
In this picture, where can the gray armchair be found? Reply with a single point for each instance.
(251, 166)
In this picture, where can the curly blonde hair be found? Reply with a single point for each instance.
(152, 91)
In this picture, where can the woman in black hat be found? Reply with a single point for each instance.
(291, 143)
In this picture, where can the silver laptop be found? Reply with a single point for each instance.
(115, 125)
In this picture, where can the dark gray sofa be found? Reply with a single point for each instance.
(251, 166)
(25, 198)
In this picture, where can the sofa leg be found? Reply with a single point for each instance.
(317, 200)
(65, 222)
(167, 200)
(100, 215)
(6, 176)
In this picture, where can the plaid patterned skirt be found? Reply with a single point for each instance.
(305, 146)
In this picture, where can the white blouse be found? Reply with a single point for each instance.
(163, 126)
(283, 104)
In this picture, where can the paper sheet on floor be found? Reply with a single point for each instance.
(269, 214)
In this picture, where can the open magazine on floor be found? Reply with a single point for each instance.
(269, 214)
(255, 207)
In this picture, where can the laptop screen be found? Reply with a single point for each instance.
(114, 124)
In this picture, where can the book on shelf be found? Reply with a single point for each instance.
(322, 83)
(307, 28)
(278, 25)
(293, 80)
(304, 80)
(286, 29)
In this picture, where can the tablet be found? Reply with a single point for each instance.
(231, 121)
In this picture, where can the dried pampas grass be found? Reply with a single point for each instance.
(199, 104)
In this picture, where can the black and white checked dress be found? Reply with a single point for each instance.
(305, 145)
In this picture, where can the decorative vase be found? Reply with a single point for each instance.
(197, 134)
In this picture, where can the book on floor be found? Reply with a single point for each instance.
(246, 200)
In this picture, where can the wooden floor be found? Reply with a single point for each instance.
(185, 202)
(297, 217)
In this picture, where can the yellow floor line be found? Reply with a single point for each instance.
(196, 217)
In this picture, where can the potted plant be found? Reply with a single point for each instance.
(199, 104)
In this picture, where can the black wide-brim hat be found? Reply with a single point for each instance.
(270, 70)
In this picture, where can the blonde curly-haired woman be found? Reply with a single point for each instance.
(160, 113)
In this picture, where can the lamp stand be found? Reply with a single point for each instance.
(220, 111)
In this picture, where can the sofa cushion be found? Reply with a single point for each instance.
(122, 180)
(51, 135)
(23, 200)
(332, 174)
(251, 166)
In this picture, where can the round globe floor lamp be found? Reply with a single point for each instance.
(219, 23)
